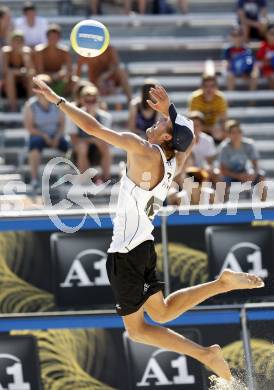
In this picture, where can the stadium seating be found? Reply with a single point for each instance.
(174, 54)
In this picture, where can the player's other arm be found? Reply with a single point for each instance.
(127, 141)
(160, 102)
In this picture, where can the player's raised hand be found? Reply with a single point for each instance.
(159, 100)
(43, 89)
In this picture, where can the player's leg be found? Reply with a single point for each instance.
(139, 331)
(164, 310)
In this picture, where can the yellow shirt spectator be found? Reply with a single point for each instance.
(212, 103)
(212, 110)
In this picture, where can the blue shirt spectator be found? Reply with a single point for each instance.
(239, 61)
(45, 123)
(234, 155)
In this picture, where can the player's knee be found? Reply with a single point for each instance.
(136, 333)
(161, 318)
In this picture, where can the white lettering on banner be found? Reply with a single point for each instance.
(183, 377)
(78, 273)
(16, 371)
(254, 258)
(154, 371)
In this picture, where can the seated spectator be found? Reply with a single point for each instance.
(86, 146)
(265, 55)
(45, 123)
(204, 151)
(79, 86)
(212, 103)
(54, 59)
(253, 18)
(17, 70)
(6, 25)
(239, 61)
(141, 115)
(106, 72)
(33, 27)
(199, 163)
(234, 154)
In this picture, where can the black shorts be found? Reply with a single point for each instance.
(133, 277)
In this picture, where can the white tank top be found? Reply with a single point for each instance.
(137, 207)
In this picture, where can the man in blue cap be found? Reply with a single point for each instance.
(131, 263)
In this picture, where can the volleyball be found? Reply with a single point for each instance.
(89, 38)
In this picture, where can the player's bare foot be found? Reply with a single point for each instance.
(231, 280)
(216, 362)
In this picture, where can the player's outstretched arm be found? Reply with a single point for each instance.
(127, 141)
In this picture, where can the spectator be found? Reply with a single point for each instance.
(141, 115)
(45, 123)
(239, 62)
(81, 84)
(55, 60)
(265, 55)
(253, 18)
(212, 103)
(105, 72)
(6, 26)
(198, 165)
(204, 150)
(235, 153)
(17, 70)
(142, 5)
(33, 26)
(86, 146)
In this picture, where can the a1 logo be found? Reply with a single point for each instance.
(14, 371)
(158, 373)
(77, 275)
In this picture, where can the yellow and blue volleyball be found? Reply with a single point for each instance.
(89, 38)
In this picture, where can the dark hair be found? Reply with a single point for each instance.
(28, 6)
(167, 146)
(149, 83)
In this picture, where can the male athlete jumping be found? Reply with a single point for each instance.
(131, 262)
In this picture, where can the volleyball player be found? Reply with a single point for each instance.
(131, 263)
